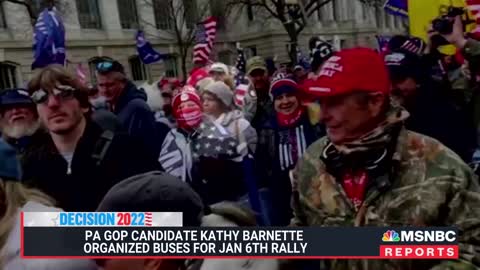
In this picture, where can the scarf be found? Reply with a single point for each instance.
(354, 162)
(189, 118)
(288, 120)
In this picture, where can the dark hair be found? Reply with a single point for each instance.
(48, 78)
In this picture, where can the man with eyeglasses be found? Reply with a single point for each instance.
(77, 161)
(128, 103)
(19, 123)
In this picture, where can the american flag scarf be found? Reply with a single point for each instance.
(204, 40)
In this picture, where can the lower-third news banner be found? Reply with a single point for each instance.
(146, 234)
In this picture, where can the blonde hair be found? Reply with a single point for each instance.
(13, 196)
(230, 82)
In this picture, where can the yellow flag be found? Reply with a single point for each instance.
(422, 12)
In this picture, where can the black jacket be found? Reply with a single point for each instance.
(434, 115)
(87, 183)
(273, 165)
(136, 117)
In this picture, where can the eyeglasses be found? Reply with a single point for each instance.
(104, 66)
(61, 92)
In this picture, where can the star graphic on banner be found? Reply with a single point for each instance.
(195, 156)
(232, 144)
(221, 139)
(210, 136)
(229, 152)
(212, 128)
(197, 146)
(207, 145)
(218, 148)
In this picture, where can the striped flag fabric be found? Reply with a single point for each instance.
(204, 40)
(474, 7)
(81, 75)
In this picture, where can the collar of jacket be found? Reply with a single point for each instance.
(85, 144)
(129, 93)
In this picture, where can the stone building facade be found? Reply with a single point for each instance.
(106, 28)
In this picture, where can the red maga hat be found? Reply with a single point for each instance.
(350, 70)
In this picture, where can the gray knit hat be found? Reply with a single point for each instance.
(221, 91)
(9, 166)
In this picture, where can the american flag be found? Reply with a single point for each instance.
(240, 83)
(81, 74)
(204, 39)
(148, 219)
(474, 7)
(240, 65)
(215, 142)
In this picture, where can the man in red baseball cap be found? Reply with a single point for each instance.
(370, 170)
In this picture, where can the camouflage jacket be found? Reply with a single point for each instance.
(429, 186)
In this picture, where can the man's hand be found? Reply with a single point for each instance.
(457, 37)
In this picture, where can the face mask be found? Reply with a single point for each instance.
(189, 118)
(288, 120)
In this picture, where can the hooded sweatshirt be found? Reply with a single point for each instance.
(136, 117)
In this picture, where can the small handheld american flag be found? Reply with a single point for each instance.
(204, 40)
(241, 84)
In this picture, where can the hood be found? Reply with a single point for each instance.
(230, 117)
(130, 93)
(154, 96)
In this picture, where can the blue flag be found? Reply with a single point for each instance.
(48, 40)
(145, 50)
(397, 7)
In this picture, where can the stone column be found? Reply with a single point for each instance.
(110, 18)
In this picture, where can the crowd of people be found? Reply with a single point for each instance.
(359, 138)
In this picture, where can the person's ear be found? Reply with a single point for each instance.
(377, 101)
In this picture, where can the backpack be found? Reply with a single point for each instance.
(102, 146)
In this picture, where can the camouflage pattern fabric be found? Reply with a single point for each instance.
(429, 185)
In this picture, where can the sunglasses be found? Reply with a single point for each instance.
(104, 66)
(60, 92)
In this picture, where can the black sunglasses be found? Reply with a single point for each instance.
(61, 92)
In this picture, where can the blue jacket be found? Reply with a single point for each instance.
(136, 117)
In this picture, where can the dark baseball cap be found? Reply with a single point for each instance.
(154, 192)
(15, 96)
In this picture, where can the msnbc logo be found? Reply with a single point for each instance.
(390, 236)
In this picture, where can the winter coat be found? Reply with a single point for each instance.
(176, 154)
(426, 178)
(83, 186)
(227, 219)
(11, 250)
(274, 161)
(136, 117)
(432, 114)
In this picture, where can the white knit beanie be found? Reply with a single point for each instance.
(221, 91)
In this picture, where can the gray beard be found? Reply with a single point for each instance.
(20, 129)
